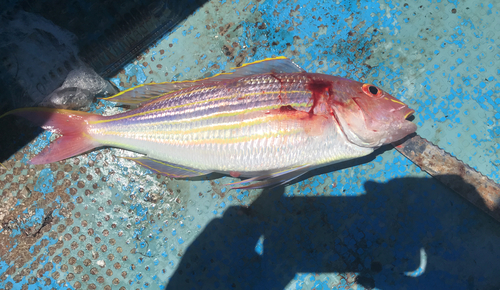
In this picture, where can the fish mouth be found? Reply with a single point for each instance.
(409, 114)
(408, 125)
(406, 112)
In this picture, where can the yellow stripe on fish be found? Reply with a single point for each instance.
(216, 127)
(275, 117)
(396, 101)
(166, 109)
(239, 139)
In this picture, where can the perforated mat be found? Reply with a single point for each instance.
(99, 222)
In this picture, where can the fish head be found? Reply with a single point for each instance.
(370, 117)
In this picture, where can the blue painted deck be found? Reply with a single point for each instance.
(99, 222)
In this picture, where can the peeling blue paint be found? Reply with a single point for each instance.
(454, 95)
(40, 142)
(44, 182)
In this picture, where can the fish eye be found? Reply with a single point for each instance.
(371, 90)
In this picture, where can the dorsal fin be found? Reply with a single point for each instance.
(144, 93)
(277, 65)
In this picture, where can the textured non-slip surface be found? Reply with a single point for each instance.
(100, 222)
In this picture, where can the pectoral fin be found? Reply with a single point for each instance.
(168, 169)
(273, 179)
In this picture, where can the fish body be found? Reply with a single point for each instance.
(270, 118)
(254, 124)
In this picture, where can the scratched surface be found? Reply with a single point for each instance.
(100, 222)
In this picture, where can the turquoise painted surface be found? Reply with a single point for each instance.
(357, 226)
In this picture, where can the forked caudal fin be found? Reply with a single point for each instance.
(72, 125)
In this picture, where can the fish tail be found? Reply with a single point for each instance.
(72, 125)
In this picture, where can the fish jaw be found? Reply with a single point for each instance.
(399, 130)
(401, 126)
(387, 117)
(373, 129)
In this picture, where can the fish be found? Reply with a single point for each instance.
(268, 121)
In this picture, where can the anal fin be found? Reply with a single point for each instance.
(166, 168)
(273, 179)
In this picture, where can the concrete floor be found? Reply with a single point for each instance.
(99, 222)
